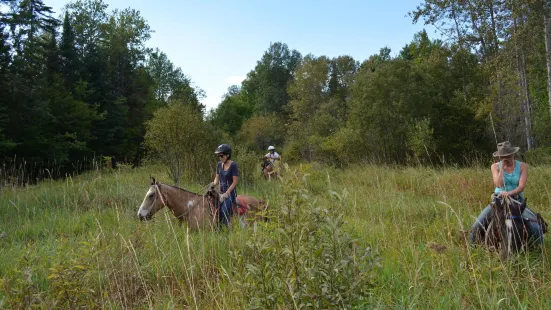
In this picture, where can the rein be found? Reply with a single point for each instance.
(158, 190)
(509, 201)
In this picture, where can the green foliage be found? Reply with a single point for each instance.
(342, 148)
(70, 278)
(306, 259)
(232, 112)
(540, 156)
(261, 131)
(182, 141)
(266, 86)
(68, 53)
(249, 166)
(420, 140)
(22, 289)
(412, 218)
(387, 102)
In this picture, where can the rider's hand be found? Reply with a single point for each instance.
(223, 196)
(503, 194)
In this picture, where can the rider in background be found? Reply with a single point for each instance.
(272, 154)
(510, 178)
(227, 173)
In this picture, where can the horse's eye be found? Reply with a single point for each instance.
(151, 195)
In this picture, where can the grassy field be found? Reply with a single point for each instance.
(368, 237)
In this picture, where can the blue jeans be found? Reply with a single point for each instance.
(226, 209)
(534, 228)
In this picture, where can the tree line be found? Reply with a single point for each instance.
(444, 100)
(85, 83)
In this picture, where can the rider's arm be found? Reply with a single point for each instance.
(522, 181)
(497, 175)
(235, 178)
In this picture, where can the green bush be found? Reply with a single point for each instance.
(183, 142)
(304, 259)
(248, 163)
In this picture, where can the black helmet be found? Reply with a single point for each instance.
(223, 148)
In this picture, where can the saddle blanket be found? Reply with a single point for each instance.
(243, 207)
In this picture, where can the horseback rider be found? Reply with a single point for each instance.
(272, 154)
(227, 173)
(510, 178)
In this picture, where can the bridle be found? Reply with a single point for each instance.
(158, 191)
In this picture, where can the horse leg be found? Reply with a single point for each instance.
(241, 222)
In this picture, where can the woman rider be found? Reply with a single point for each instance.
(510, 177)
(227, 174)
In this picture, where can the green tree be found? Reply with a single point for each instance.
(232, 112)
(68, 54)
(5, 59)
(266, 86)
(261, 131)
(178, 136)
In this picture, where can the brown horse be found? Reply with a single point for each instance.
(268, 169)
(198, 211)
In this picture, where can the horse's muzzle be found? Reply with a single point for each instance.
(146, 218)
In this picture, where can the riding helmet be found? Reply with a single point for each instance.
(271, 147)
(225, 149)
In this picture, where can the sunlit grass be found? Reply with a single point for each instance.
(78, 242)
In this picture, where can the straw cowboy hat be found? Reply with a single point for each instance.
(505, 149)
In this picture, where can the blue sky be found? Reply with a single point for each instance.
(216, 43)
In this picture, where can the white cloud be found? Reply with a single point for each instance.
(235, 79)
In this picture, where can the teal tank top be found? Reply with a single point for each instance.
(511, 180)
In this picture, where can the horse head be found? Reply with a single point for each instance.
(153, 201)
(212, 194)
(508, 214)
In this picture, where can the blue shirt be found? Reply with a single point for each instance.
(226, 177)
(510, 180)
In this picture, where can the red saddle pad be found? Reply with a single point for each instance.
(243, 207)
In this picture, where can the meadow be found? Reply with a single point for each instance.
(365, 237)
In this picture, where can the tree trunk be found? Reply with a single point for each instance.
(547, 24)
(454, 16)
(528, 104)
(489, 49)
(524, 93)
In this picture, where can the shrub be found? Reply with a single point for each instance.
(305, 259)
(180, 138)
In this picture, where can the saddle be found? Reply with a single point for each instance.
(266, 163)
(240, 207)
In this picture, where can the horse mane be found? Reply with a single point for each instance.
(182, 189)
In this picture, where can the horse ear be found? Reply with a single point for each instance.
(152, 180)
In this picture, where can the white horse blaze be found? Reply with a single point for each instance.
(509, 229)
(144, 208)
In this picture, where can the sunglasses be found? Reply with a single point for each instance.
(221, 155)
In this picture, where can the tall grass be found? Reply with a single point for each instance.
(77, 242)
